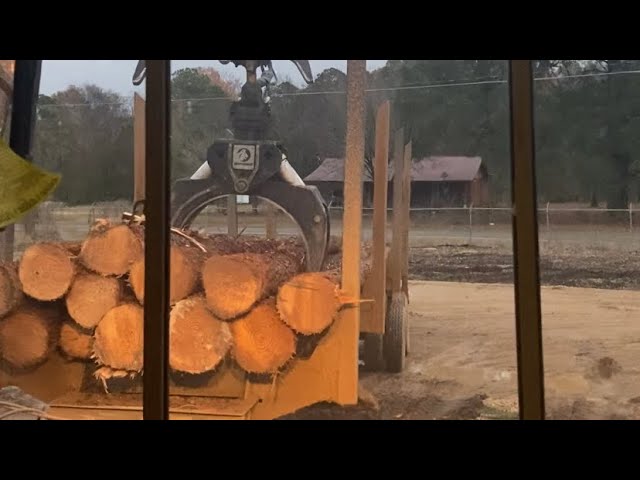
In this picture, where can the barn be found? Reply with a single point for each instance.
(436, 182)
(439, 182)
(329, 178)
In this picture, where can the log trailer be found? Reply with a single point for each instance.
(256, 330)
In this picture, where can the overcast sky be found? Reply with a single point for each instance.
(116, 74)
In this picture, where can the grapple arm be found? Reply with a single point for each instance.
(304, 67)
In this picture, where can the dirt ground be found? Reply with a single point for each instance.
(463, 358)
(586, 266)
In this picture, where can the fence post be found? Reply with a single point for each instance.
(548, 223)
(232, 215)
(271, 228)
(630, 217)
(470, 223)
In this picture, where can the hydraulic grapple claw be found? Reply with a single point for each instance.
(251, 162)
(304, 205)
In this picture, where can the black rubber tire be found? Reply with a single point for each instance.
(373, 353)
(407, 335)
(395, 336)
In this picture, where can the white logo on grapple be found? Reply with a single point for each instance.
(244, 157)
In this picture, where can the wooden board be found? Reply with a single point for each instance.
(395, 266)
(376, 284)
(129, 407)
(351, 238)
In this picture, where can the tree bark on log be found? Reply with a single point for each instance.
(91, 296)
(118, 339)
(198, 340)
(262, 344)
(28, 335)
(233, 284)
(46, 271)
(333, 263)
(10, 292)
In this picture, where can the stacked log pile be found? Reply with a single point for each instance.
(243, 299)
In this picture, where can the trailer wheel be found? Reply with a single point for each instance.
(395, 336)
(407, 336)
(373, 353)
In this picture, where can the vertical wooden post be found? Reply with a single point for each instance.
(379, 233)
(470, 223)
(271, 221)
(138, 147)
(396, 241)
(232, 215)
(548, 223)
(155, 394)
(352, 221)
(406, 220)
(525, 243)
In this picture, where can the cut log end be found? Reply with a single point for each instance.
(27, 336)
(198, 340)
(91, 297)
(46, 271)
(75, 343)
(232, 286)
(111, 250)
(184, 272)
(10, 292)
(308, 303)
(262, 343)
(118, 339)
(136, 279)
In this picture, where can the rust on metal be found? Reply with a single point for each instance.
(525, 242)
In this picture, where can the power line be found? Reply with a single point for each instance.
(47, 105)
(465, 84)
(371, 90)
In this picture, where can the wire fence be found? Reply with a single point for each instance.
(603, 227)
(589, 227)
